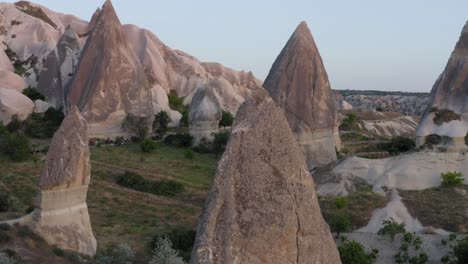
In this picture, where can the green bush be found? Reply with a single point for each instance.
(18, 147)
(5, 201)
(220, 141)
(349, 122)
(33, 94)
(445, 116)
(227, 119)
(148, 145)
(339, 222)
(188, 154)
(352, 252)
(452, 179)
(119, 141)
(391, 228)
(14, 125)
(179, 140)
(43, 126)
(175, 102)
(341, 202)
(163, 253)
(58, 251)
(204, 146)
(399, 144)
(136, 126)
(460, 251)
(139, 183)
(182, 241)
(161, 123)
(3, 129)
(184, 120)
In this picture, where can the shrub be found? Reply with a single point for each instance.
(119, 141)
(204, 146)
(434, 139)
(161, 122)
(14, 124)
(349, 121)
(352, 252)
(5, 201)
(175, 102)
(38, 126)
(390, 228)
(227, 119)
(460, 251)
(184, 120)
(121, 254)
(148, 145)
(466, 139)
(163, 253)
(341, 202)
(445, 116)
(58, 251)
(136, 126)
(139, 183)
(182, 240)
(33, 94)
(220, 141)
(452, 179)
(179, 140)
(18, 147)
(339, 222)
(3, 129)
(399, 145)
(188, 154)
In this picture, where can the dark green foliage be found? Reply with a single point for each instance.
(452, 179)
(220, 141)
(422, 258)
(349, 122)
(139, 183)
(14, 125)
(460, 251)
(58, 251)
(341, 202)
(391, 227)
(466, 139)
(445, 116)
(175, 102)
(3, 129)
(398, 145)
(339, 222)
(17, 147)
(227, 119)
(148, 145)
(43, 126)
(136, 126)
(4, 237)
(5, 201)
(119, 141)
(352, 252)
(184, 120)
(33, 94)
(182, 241)
(179, 140)
(161, 122)
(204, 146)
(433, 139)
(188, 154)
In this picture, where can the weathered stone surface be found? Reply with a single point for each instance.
(450, 92)
(262, 207)
(110, 81)
(299, 83)
(161, 103)
(205, 113)
(14, 103)
(61, 216)
(11, 80)
(59, 67)
(41, 106)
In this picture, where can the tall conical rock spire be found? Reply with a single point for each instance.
(299, 83)
(110, 81)
(262, 206)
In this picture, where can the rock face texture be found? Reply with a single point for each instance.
(14, 103)
(110, 81)
(161, 103)
(299, 83)
(59, 67)
(61, 216)
(205, 113)
(11, 80)
(447, 113)
(262, 206)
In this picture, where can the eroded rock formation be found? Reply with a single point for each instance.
(14, 104)
(299, 83)
(61, 216)
(447, 113)
(262, 207)
(110, 81)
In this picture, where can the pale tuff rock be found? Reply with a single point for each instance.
(59, 67)
(450, 92)
(5, 63)
(161, 103)
(262, 207)
(61, 217)
(14, 103)
(345, 106)
(387, 124)
(205, 113)
(40, 106)
(299, 83)
(11, 80)
(110, 81)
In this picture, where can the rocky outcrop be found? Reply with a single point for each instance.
(110, 81)
(205, 113)
(59, 67)
(262, 206)
(410, 105)
(11, 80)
(387, 124)
(447, 113)
(14, 104)
(61, 216)
(161, 103)
(40, 106)
(299, 83)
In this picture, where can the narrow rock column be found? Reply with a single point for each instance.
(262, 206)
(205, 114)
(61, 216)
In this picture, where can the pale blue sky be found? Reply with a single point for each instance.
(365, 44)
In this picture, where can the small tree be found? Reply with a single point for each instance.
(390, 228)
(184, 120)
(227, 119)
(188, 154)
(18, 147)
(14, 124)
(33, 94)
(352, 252)
(161, 122)
(163, 253)
(148, 145)
(339, 222)
(452, 179)
(136, 126)
(219, 142)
